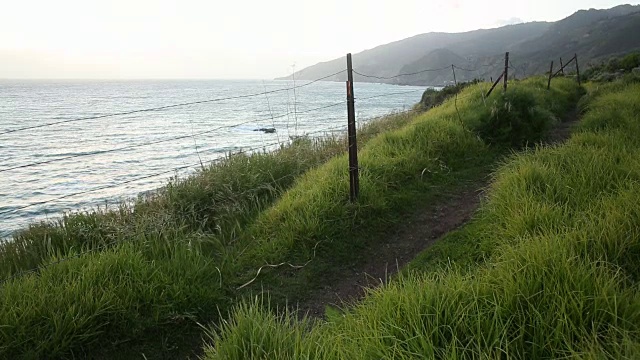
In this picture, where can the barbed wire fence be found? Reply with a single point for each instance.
(327, 131)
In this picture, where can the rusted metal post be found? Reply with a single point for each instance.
(575, 56)
(354, 181)
(506, 69)
(550, 75)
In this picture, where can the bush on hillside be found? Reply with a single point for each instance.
(432, 97)
(613, 69)
(514, 120)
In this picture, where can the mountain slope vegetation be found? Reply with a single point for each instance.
(593, 34)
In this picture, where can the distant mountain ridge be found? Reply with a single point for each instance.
(593, 34)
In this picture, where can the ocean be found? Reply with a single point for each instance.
(110, 159)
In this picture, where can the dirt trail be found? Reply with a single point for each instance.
(414, 235)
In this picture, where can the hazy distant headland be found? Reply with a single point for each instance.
(595, 35)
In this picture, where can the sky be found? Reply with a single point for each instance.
(232, 39)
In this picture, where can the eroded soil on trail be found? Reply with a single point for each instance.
(413, 236)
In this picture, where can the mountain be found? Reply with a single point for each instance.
(593, 34)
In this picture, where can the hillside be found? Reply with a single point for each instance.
(547, 268)
(142, 277)
(593, 34)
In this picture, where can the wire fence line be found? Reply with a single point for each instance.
(400, 75)
(108, 244)
(135, 146)
(448, 67)
(115, 242)
(170, 106)
(193, 135)
(173, 170)
(328, 130)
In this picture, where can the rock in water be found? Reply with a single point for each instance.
(266, 130)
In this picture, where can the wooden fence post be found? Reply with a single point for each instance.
(550, 75)
(453, 69)
(354, 181)
(494, 85)
(577, 69)
(506, 69)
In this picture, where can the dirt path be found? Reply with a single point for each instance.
(413, 236)
(562, 131)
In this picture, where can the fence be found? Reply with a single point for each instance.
(561, 70)
(352, 148)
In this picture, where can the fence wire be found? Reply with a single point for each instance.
(329, 130)
(36, 269)
(170, 106)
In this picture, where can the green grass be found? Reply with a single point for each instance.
(607, 72)
(432, 97)
(103, 298)
(314, 222)
(174, 246)
(548, 269)
(215, 203)
(179, 257)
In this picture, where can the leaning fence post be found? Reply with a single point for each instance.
(494, 85)
(550, 75)
(506, 69)
(354, 182)
(577, 68)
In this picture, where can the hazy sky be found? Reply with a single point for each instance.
(230, 39)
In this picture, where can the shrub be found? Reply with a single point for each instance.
(433, 97)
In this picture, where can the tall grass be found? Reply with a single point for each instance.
(105, 297)
(556, 250)
(569, 176)
(527, 307)
(111, 275)
(314, 220)
(215, 203)
(180, 256)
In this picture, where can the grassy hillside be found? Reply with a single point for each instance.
(553, 255)
(155, 265)
(180, 258)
